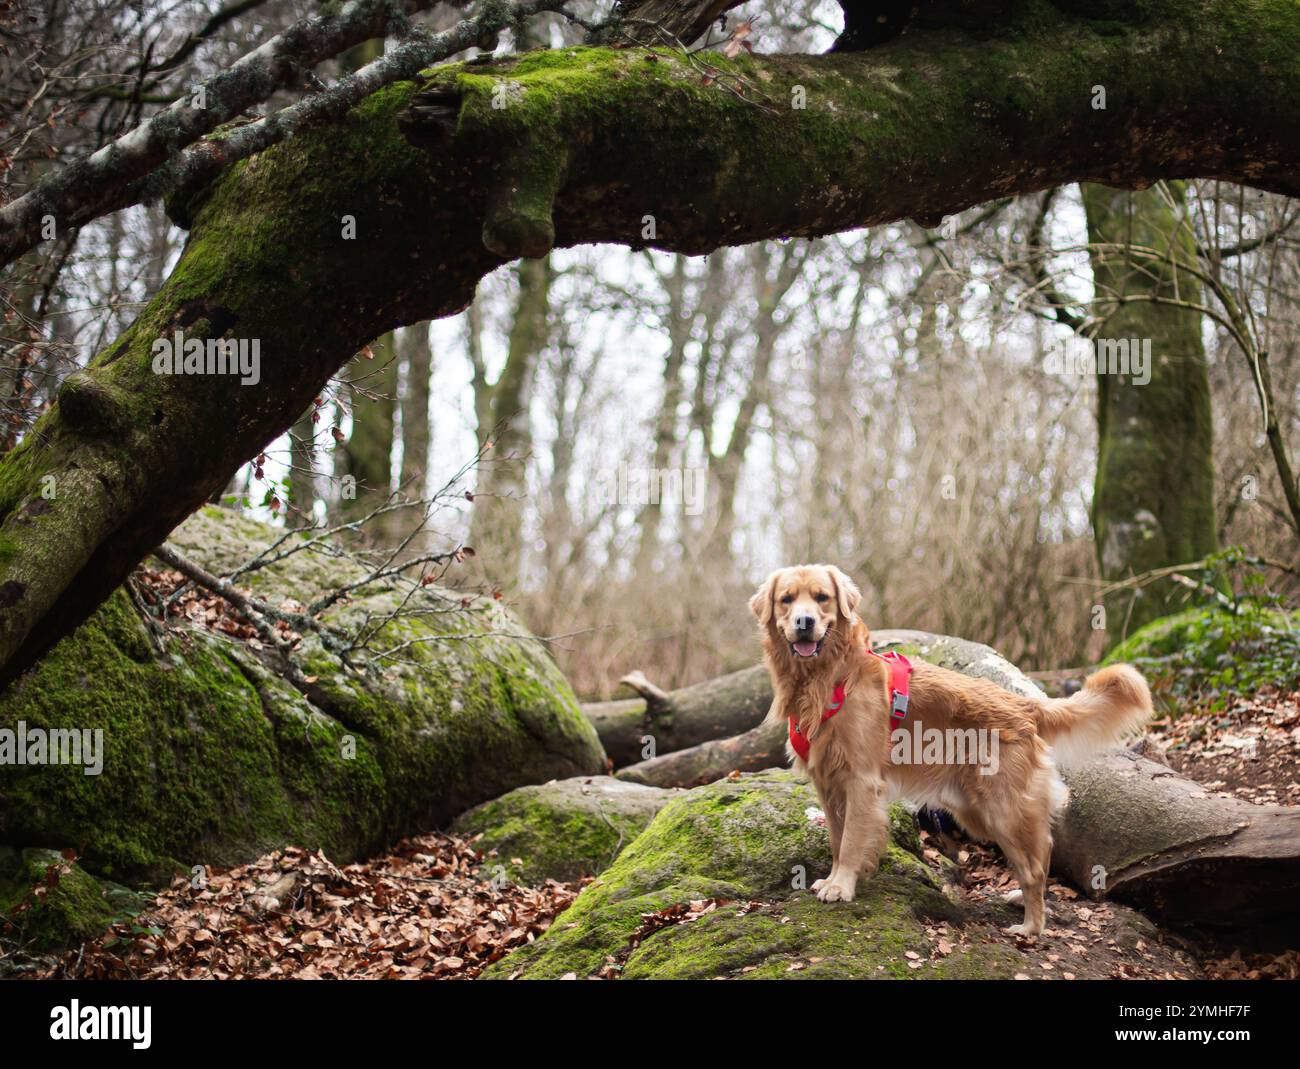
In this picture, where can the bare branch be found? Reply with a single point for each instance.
(107, 179)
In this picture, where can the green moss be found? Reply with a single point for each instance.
(822, 104)
(48, 903)
(562, 830)
(867, 939)
(1208, 656)
(193, 763)
(746, 841)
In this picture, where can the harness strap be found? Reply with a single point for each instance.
(900, 670)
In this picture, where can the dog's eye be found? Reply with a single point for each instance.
(788, 600)
(823, 598)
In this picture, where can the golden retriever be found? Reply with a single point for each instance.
(986, 755)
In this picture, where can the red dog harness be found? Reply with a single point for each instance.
(900, 669)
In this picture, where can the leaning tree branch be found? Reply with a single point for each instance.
(195, 40)
(481, 163)
(647, 22)
(756, 749)
(678, 719)
(204, 160)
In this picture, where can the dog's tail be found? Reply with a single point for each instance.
(1112, 703)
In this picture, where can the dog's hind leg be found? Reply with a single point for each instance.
(865, 832)
(1027, 844)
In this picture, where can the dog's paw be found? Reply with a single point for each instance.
(832, 891)
(1028, 931)
(1013, 896)
(818, 885)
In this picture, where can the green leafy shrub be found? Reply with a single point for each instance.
(1206, 656)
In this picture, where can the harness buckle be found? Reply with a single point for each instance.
(899, 709)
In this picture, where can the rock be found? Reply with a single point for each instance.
(211, 758)
(562, 830)
(49, 902)
(960, 655)
(749, 842)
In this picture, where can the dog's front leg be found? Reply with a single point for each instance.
(863, 837)
(832, 806)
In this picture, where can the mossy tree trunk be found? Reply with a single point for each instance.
(1191, 857)
(588, 144)
(1153, 504)
(362, 466)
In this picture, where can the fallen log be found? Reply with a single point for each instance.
(758, 748)
(677, 719)
(733, 704)
(739, 702)
(1138, 832)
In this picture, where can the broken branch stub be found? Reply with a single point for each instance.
(524, 163)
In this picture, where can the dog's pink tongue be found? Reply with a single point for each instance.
(805, 649)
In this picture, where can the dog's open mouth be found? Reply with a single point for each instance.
(807, 648)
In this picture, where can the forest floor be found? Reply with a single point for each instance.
(422, 910)
(1251, 750)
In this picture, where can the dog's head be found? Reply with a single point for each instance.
(804, 605)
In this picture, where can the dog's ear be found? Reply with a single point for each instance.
(847, 594)
(763, 603)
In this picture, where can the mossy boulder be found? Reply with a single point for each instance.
(211, 757)
(1209, 655)
(562, 830)
(752, 843)
(48, 901)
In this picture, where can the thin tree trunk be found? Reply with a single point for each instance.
(417, 366)
(364, 463)
(767, 331)
(303, 458)
(496, 528)
(650, 515)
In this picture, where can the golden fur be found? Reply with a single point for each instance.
(855, 766)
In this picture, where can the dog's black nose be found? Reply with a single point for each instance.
(804, 623)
